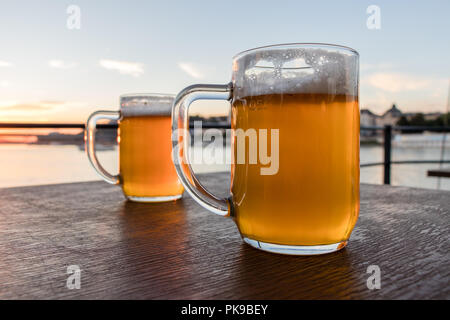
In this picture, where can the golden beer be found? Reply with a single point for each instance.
(295, 144)
(314, 197)
(145, 157)
(146, 171)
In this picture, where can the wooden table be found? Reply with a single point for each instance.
(179, 251)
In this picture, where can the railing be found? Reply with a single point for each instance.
(52, 126)
(387, 143)
(82, 126)
(387, 138)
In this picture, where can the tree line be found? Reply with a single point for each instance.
(419, 120)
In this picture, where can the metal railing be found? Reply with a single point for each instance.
(387, 147)
(52, 126)
(82, 126)
(387, 139)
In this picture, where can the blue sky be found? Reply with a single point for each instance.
(51, 73)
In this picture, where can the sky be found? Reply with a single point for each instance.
(50, 72)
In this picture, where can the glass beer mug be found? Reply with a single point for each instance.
(146, 170)
(298, 102)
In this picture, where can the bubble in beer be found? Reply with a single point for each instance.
(295, 70)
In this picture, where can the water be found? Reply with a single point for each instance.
(411, 175)
(22, 165)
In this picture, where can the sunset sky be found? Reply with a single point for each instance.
(50, 73)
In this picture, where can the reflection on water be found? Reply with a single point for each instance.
(22, 164)
(411, 175)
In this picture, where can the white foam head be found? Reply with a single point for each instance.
(296, 68)
(136, 105)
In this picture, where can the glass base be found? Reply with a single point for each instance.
(295, 250)
(154, 199)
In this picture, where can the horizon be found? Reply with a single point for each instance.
(407, 113)
(51, 73)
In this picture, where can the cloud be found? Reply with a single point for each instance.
(5, 64)
(38, 106)
(191, 69)
(26, 107)
(411, 92)
(134, 69)
(7, 103)
(398, 82)
(60, 64)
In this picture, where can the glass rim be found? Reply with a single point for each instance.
(297, 45)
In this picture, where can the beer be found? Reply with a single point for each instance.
(313, 199)
(145, 157)
(145, 151)
(295, 144)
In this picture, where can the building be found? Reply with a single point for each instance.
(390, 117)
(368, 119)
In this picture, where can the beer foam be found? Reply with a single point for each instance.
(275, 70)
(146, 105)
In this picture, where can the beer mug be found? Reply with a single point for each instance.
(146, 169)
(300, 102)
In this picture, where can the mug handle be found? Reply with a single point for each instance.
(181, 142)
(89, 137)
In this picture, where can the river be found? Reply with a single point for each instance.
(22, 164)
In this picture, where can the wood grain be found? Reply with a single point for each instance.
(178, 250)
